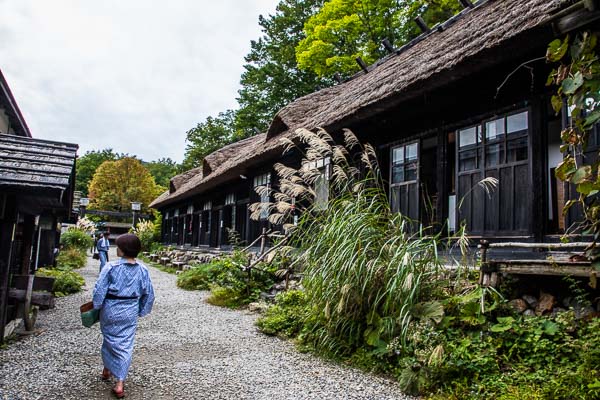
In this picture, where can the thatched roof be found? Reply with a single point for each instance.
(459, 47)
(160, 199)
(224, 159)
(178, 180)
(33, 163)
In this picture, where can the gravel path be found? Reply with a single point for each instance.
(185, 349)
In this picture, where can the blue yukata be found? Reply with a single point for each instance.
(103, 247)
(123, 293)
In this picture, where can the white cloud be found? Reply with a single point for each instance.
(133, 75)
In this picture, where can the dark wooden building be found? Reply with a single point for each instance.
(37, 179)
(464, 101)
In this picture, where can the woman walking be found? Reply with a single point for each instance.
(103, 247)
(123, 293)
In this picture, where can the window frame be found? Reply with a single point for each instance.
(323, 166)
(482, 142)
(265, 198)
(416, 162)
(396, 198)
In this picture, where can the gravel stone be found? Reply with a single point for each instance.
(185, 349)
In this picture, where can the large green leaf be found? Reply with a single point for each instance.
(592, 118)
(557, 103)
(372, 337)
(582, 174)
(557, 49)
(570, 85)
(549, 327)
(504, 324)
(588, 188)
(565, 169)
(433, 310)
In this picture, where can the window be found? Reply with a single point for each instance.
(263, 180)
(404, 163)
(321, 185)
(502, 140)
(404, 174)
(469, 151)
(230, 201)
(207, 206)
(190, 209)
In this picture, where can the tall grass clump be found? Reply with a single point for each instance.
(368, 272)
(365, 272)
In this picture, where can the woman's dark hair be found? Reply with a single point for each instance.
(129, 244)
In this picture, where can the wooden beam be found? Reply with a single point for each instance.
(466, 3)
(531, 268)
(540, 245)
(422, 24)
(362, 64)
(387, 45)
(45, 299)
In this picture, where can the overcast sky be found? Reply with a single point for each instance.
(133, 75)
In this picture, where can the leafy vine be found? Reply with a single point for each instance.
(577, 78)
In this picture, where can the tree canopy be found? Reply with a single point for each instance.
(118, 183)
(345, 29)
(162, 170)
(208, 136)
(271, 76)
(87, 165)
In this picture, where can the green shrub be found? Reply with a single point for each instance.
(66, 281)
(155, 247)
(223, 297)
(286, 317)
(229, 284)
(513, 357)
(200, 277)
(76, 238)
(71, 257)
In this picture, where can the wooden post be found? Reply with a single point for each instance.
(8, 236)
(263, 240)
(441, 178)
(29, 320)
(27, 246)
(483, 248)
(249, 272)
